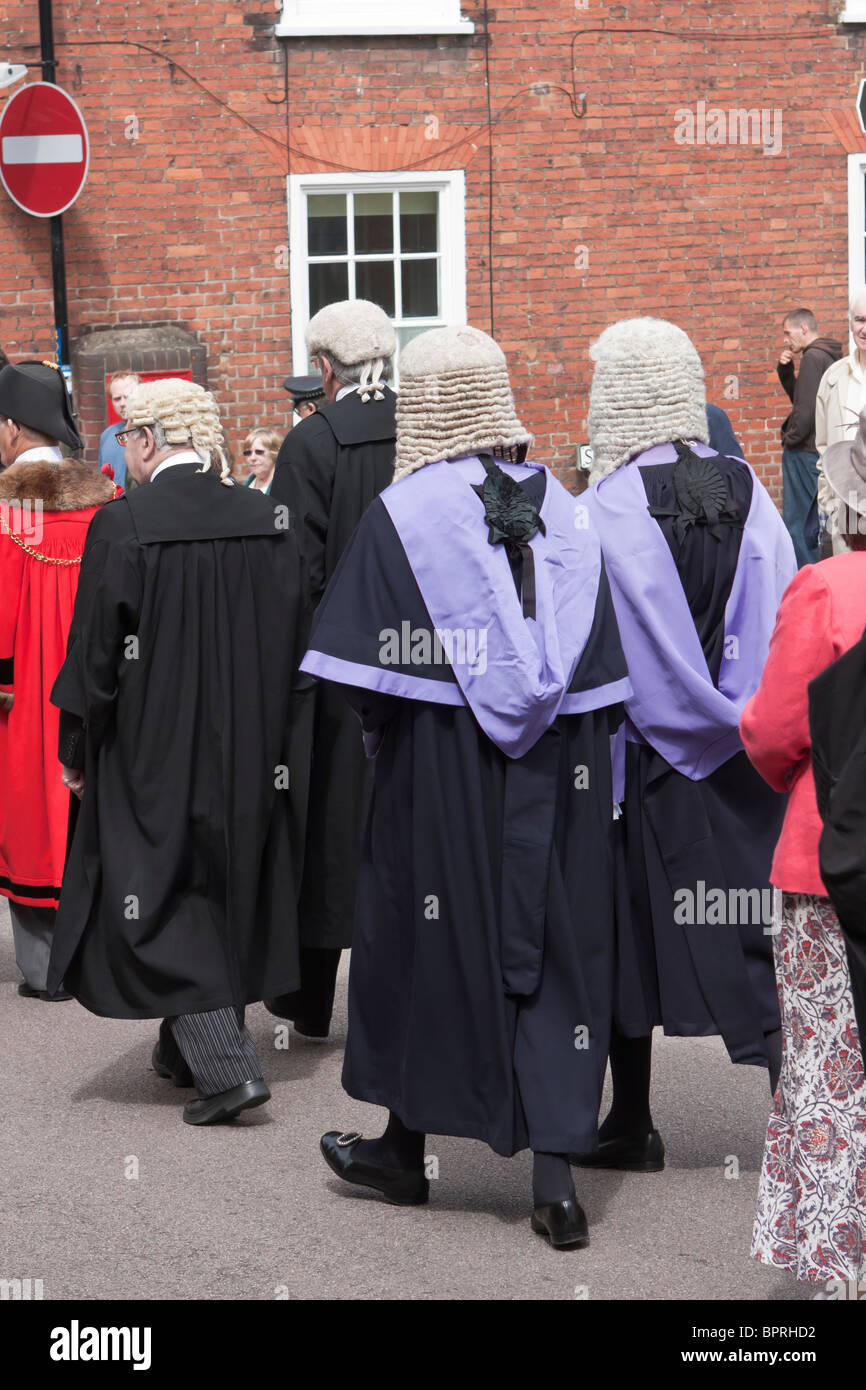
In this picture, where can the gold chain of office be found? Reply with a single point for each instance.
(36, 554)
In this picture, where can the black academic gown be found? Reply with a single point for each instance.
(329, 469)
(481, 980)
(697, 980)
(180, 887)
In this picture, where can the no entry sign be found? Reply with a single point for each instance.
(44, 149)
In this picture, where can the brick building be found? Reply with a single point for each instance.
(539, 169)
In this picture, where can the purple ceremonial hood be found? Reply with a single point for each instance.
(466, 584)
(674, 706)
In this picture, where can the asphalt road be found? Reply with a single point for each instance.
(105, 1193)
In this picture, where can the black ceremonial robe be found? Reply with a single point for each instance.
(698, 980)
(329, 469)
(481, 980)
(180, 887)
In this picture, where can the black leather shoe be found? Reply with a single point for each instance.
(318, 1032)
(402, 1187)
(28, 992)
(564, 1224)
(181, 1076)
(643, 1155)
(226, 1105)
(283, 1006)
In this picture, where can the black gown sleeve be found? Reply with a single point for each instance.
(102, 633)
(304, 482)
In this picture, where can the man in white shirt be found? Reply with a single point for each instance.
(840, 399)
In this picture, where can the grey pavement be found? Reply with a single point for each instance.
(105, 1193)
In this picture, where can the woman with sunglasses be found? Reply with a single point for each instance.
(260, 452)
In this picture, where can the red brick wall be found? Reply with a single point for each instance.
(181, 223)
(594, 217)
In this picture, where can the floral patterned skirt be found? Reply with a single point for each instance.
(811, 1216)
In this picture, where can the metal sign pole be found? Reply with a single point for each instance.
(58, 261)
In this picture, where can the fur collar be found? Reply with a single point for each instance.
(60, 487)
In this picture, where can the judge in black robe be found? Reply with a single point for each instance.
(177, 707)
(698, 558)
(482, 966)
(329, 469)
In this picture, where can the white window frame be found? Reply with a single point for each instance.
(310, 18)
(854, 12)
(450, 184)
(856, 224)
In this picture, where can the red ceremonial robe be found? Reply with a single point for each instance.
(45, 510)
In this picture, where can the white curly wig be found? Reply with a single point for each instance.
(186, 414)
(354, 331)
(647, 389)
(454, 399)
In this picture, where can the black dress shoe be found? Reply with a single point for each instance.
(402, 1187)
(564, 1224)
(319, 1032)
(643, 1155)
(181, 1075)
(28, 992)
(226, 1105)
(284, 1006)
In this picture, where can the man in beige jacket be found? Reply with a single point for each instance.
(840, 399)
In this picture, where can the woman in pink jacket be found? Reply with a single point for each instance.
(811, 1216)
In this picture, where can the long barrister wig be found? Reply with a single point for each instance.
(455, 399)
(647, 389)
(186, 414)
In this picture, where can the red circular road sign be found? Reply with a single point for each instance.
(44, 149)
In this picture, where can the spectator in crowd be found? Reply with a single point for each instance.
(811, 1216)
(46, 506)
(110, 452)
(176, 699)
(469, 624)
(721, 431)
(260, 449)
(698, 558)
(799, 452)
(841, 397)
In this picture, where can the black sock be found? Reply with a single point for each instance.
(630, 1069)
(398, 1147)
(774, 1052)
(551, 1179)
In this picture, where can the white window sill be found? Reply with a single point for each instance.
(349, 28)
(852, 17)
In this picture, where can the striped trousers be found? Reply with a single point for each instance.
(217, 1048)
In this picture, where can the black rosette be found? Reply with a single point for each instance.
(512, 520)
(702, 495)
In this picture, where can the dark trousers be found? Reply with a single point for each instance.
(32, 932)
(216, 1046)
(799, 491)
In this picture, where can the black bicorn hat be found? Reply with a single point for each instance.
(35, 394)
(304, 388)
